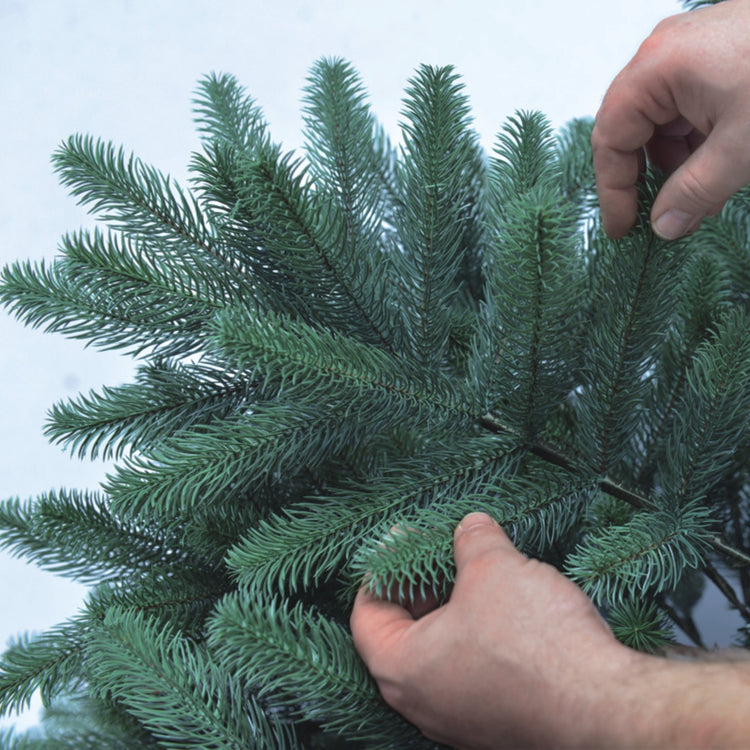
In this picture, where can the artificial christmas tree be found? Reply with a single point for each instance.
(340, 355)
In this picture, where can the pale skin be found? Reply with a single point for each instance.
(519, 657)
(684, 100)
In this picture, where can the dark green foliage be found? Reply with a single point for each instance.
(175, 689)
(50, 662)
(293, 548)
(165, 397)
(647, 554)
(640, 625)
(301, 663)
(76, 534)
(533, 250)
(341, 354)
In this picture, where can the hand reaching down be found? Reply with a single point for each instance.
(683, 100)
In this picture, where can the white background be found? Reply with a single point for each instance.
(126, 70)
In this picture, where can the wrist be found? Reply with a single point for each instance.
(610, 709)
(649, 702)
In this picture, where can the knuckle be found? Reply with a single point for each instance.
(668, 27)
(596, 138)
(696, 188)
(391, 693)
(479, 566)
(660, 41)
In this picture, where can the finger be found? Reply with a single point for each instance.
(673, 144)
(617, 175)
(377, 626)
(420, 603)
(716, 170)
(477, 535)
(625, 123)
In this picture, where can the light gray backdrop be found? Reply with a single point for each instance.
(126, 69)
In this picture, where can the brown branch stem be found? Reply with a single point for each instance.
(608, 486)
(727, 589)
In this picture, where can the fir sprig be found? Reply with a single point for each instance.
(313, 364)
(438, 179)
(711, 416)
(176, 690)
(49, 663)
(165, 397)
(648, 553)
(132, 196)
(312, 666)
(704, 295)
(224, 112)
(640, 625)
(630, 313)
(225, 461)
(120, 293)
(76, 534)
(52, 296)
(308, 542)
(80, 722)
(348, 163)
(416, 557)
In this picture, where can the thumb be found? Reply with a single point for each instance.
(477, 535)
(378, 627)
(702, 184)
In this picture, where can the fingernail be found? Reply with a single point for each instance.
(476, 519)
(673, 224)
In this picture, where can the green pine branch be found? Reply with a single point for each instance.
(576, 166)
(416, 558)
(725, 239)
(120, 294)
(525, 158)
(300, 234)
(348, 165)
(712, 413)
(523, 339)
(302, 662)
(640, 625)
(704, 292)
(634, 283)
(175, 689)
(224, 112)
(49, 663)
(133, 197)
(649, 553)
(182, 600)
(49, 295)
(231, 460)
(314, 365)
(80, 722)
(534, 251)
(438, 181)
(307, 543)
(109, 262)
(165, 397)
(76, 534)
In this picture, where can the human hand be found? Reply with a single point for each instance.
(519, 657)
(684, 100)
